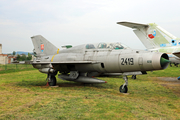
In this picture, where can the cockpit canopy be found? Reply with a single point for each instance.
(90, 46)
(103, 45)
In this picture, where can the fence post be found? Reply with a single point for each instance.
(5, 66)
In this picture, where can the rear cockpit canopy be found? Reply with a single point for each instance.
(90, 46)
(103, 45)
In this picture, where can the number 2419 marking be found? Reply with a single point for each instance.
(127, 61)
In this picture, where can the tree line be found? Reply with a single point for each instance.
(23, 57)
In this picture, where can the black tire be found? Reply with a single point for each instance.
(176, 64)
(53, 81)
(123, 90)
(134, 77)
(170, 65)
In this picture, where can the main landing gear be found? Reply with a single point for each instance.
(134, 77)
(123, 88)
(175, 64)
(51, 79)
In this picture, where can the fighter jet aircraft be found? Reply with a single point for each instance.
(156, 38)
(78, 62)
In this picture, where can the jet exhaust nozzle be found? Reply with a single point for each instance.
(164, 61)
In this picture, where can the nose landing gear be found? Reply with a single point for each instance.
(123, 88)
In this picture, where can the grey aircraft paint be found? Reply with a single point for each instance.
(79, 62)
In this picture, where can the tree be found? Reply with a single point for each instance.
(18, 57)
(29, 56)
(23, 57)
(14, 53)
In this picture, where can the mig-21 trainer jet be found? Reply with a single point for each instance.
(78, 62)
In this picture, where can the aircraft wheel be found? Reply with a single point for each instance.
(124, 90)
(134, 77)
(170, 65)
(53, 81)
(176, 64)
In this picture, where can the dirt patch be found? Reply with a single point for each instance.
(170, 83)
(170, 79)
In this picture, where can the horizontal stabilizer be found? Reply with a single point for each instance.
(177, 54)
(133, 25)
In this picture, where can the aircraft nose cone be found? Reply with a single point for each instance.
(164, 62)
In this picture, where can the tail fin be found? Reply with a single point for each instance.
(152, 35)
(43, 47)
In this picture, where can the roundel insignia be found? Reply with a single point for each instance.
(42, 47)
(151, 36)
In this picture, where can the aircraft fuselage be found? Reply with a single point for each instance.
(103, 60)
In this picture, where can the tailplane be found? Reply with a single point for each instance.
(152, 35)
(43, 47)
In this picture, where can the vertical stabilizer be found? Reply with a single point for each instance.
(43, 47)
(152, 35)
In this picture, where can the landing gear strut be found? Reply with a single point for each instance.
(123, 88)
(134, 77)
(176, 64)
(51, 80)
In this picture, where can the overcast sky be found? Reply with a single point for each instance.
(77, 22)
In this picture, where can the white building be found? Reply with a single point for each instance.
(3, 57)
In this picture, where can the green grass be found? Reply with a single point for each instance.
(9, 68)
(23, 95)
